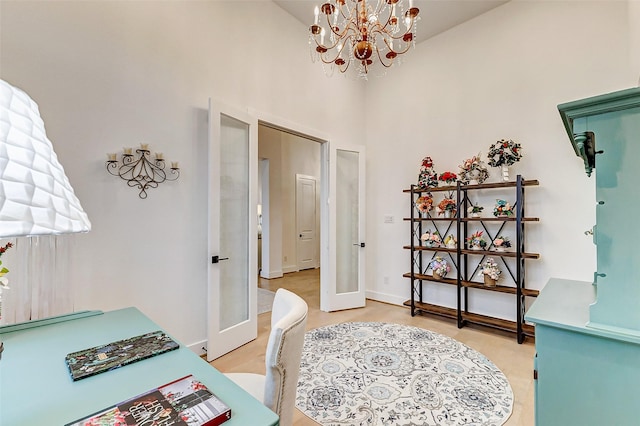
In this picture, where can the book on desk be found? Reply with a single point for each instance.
(98, 359)
(185, 401)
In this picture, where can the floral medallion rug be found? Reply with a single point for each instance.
(374, 373)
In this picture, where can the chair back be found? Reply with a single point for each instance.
(284, 352)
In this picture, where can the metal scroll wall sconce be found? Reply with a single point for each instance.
(140, 171)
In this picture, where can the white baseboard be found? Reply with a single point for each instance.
(271, 275)
(199, 347)
(386, 298)
(289, 269)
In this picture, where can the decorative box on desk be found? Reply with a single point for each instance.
(588, 334)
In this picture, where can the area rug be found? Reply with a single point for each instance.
(265, 300)
(374, 373)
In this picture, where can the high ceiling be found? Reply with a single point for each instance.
(436, 16)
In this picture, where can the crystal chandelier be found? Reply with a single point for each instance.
(356, 31)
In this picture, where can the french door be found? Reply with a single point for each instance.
(232, 289)
(342, 275)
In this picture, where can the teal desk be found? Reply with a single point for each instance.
(36, 388)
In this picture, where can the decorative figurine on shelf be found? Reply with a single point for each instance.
(473, 170)
(440, 267)
(449, 178)
(431, 239)
(504, 153)
(476, 241)
(502, 209)
(447, 207)
(427, 178)
(490, 272)
(451, 242)
(424, 203)
(502, 243)
(475, 210)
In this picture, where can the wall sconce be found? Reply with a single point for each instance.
(142, 172)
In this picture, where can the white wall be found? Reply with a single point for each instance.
(500, 75)
(114, 74)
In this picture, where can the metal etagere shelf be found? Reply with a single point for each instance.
(466, 262)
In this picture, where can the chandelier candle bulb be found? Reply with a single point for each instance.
(316, 11)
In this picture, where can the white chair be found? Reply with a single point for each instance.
(277, 390)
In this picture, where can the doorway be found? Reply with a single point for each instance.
(290, 201)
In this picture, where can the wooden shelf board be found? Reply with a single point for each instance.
(422, 219)
(434, 309)
(501, 253)
(499, 288)
(509, 184)
(449, 281)
(470, 284)
(498, 219)
(500, 323)
(431, 248)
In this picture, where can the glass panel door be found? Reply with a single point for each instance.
(233, 170)
(343, 239)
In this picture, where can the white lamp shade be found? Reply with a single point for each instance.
(35, 195)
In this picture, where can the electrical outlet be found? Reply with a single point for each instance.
(285, 258)
(388, 218)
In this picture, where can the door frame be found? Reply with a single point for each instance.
(324, 139)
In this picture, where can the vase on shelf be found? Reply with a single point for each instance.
(500, 248)
(475, 215)
(477, 248)
(437, 276)
(505, 173)
(452, 246)
(447, 214)
(488, 281)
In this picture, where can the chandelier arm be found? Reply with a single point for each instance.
(381, 60)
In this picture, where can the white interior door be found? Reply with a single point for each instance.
(343, 240)
(306, 249)
(233, 169)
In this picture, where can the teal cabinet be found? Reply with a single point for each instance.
(588, 334)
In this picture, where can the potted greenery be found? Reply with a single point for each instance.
(502, 243)
(476, 241)
(447, 207)
(440, 267)
(431, 239)
(475, 210)
(490, 271)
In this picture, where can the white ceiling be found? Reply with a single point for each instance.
(436, 16)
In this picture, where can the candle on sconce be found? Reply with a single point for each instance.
(174, 164)
(128, 151)
(144, 146)
(316, 11)
(112, 157)
(159, 156)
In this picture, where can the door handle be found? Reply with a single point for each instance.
(359, 244)
(217, 259)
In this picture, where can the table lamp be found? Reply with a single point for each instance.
(35, 195)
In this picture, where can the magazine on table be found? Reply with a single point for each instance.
(183, 402)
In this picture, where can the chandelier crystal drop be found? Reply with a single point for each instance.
(356, 31)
